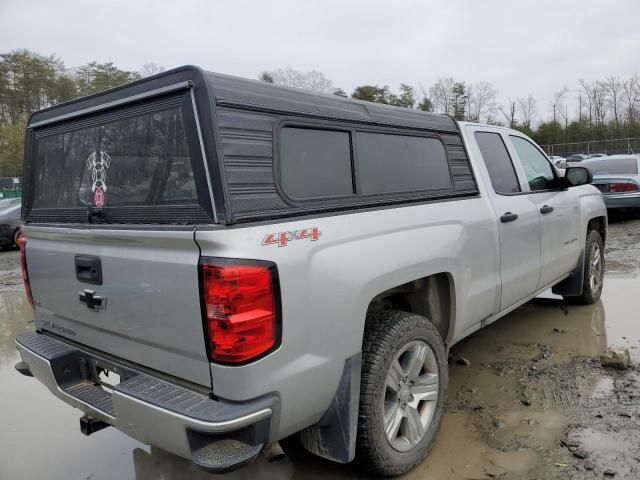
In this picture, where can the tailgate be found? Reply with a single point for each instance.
(111, 201)
(150, 312)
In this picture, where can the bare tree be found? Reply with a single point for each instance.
(151, 68)
(510, 112)
(527, 108)
(631, 89)
(481, 101)
(613, 89)
(587, 91)
(290, 77)
(441, 94)
(558, 101)
(318, 82)
(600, 103)
(581, 103)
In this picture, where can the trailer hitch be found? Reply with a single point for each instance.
(89, 425)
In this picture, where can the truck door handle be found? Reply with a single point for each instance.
(508, 217)
(546, 209)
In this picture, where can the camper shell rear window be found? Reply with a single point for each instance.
(134, 165)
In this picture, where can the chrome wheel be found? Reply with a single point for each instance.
(410, 395)
(595, 275)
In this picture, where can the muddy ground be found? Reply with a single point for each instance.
(534, 402)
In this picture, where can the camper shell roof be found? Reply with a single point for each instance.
(227, 90)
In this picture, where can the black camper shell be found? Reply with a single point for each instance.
(234, 133)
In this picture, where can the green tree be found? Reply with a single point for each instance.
(95, 77)
(12, 147)
(29, 81)
(426, 105)
(459, 100)
(549, 132)
(371, 93)
(266, 77)
(406, 98)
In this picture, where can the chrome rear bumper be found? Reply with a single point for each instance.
(215, 434)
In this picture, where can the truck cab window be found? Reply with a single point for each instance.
(536, 167)
(496, 157)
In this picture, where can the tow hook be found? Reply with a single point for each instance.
(89, 425)
(23, 368)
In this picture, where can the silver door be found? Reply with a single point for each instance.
(559, 212)
(517, 217)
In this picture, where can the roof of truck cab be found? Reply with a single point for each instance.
(486, 125)
(256, 95)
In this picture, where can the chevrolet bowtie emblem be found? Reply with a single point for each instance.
(92, 301)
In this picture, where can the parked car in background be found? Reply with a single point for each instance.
(578, 157)
(9, 221)
(559, 162)
(618, 178)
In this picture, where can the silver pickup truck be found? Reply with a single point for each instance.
(217, 263)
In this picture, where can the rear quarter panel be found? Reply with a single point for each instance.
(328, 284)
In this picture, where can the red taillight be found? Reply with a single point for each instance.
(240, 308)
(22, 244)
(623, 187)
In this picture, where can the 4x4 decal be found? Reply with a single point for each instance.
(283, 238)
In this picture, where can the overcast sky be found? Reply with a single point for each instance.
(519, 46)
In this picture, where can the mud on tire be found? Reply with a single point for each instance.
(387, 334)
(593, 265)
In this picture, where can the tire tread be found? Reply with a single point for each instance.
(383, 329)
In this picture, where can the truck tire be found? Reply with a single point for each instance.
(402, 394)
(593, 271)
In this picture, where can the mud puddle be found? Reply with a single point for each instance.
(623, 243)
(10, 272)
(535, 383)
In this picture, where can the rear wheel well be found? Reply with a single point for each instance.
(431, 296)
(600, 225)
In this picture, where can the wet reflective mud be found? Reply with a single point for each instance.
(533, 403)
(622, 251)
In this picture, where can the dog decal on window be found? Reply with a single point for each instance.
(98, 163)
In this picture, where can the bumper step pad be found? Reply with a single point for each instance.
(225, 455)
(92, 394)
(221, 436)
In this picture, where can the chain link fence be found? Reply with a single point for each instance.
(608, 147)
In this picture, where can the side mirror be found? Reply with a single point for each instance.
(578, 176)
